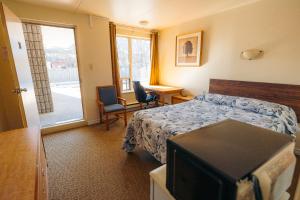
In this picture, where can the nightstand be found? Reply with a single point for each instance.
(179, 99)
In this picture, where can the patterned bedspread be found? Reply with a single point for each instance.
(150, 128)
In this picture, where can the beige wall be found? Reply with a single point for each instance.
(93, 48)
(271, 25)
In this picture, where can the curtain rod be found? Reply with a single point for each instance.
(132, 28)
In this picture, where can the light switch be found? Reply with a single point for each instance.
(91, 66)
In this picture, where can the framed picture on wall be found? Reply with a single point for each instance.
(188, 49)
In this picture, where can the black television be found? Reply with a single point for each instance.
(206, 163)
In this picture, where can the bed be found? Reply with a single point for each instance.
(267, 105)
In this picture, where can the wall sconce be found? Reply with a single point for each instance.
(251, 54)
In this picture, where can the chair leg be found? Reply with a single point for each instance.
(156, 103)
(101, 116)
(125, 117)
(106, 121)
(141, 106)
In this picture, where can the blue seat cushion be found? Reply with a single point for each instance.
(150, 98)
(113, 108)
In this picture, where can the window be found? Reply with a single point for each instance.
(134, 61)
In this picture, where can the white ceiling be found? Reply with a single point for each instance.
(159, 13)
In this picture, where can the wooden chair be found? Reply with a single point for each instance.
(109, 103)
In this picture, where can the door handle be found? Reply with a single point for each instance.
(23, 89)
(19, 90)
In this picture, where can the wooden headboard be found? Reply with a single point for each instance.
(285, 94)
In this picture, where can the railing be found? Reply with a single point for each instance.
(63, 75)
(125, 84)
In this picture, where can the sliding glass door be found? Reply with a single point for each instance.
(53, 59)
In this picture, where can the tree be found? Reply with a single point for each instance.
(188, 48)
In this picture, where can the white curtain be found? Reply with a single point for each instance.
(37, 60)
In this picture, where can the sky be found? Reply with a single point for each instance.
(57, 37)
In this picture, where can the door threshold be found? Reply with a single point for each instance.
(63, 127)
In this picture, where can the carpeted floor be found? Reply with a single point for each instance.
(88, 163)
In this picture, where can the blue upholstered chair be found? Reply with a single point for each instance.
(109, 103)
(142, 96)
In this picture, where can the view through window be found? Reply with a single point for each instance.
(134, 61)
(60, 52)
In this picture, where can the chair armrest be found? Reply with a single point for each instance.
(123, 101)
(100, 104)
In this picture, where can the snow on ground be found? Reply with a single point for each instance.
(66, 102)
(72, 90)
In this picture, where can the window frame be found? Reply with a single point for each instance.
(129, 37)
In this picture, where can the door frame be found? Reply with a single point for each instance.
(75, 29)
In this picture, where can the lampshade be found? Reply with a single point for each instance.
(251, 54)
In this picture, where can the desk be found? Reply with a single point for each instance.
(163, 90)
(179, 99)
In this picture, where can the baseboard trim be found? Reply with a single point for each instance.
(63, 127)
(130, 108)
(92, 122)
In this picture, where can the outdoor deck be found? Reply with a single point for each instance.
(67, 105)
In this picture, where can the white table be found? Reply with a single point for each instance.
(158, 190)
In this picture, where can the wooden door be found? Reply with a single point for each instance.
(16, 86)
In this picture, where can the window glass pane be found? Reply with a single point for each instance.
(122, 46)
(125, 84)
(140, 60)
